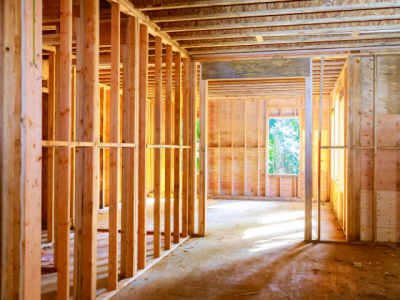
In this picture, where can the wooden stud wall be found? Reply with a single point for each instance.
(100, 138)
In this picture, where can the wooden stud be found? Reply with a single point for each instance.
(168, 151)
(142, 135)
(319, 148)
(203, 188)
(193, 145)
(79, 154)
(157, 151)
(51, 151)
(64, 153)
(308, 158)
(91, 160)
(115, 162)
(185, 156)
(31, 152)
(375, 163)
(133, 95)
(354, 140)
(177, 142)
(258, 149)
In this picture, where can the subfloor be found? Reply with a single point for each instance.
(254, 250)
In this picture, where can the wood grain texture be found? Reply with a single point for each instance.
(292, 67)
(142, 141)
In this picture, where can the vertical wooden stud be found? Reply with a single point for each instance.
(375, 178)
(51, 150)
(321, 84)
(142, 136)
(193, 145)
(132, 172)
(185, 156)
(90, 165)
(308, 156)
(203, 158)
(168, 151)
(115, 114)
(64, 153)
(157, 151)
(177, 142)
(31, 151)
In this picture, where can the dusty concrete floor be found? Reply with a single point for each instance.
(256, 248)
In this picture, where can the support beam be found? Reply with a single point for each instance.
(51, 151)
(177, 142)
(157, 151)
(192, 188)
(115, 157)
(306, 9)
(91, 158)
(193, 4)
(143, 70)
(203, 157)
(31, 152)
(308, 157)
(375, 157)
(132, 97)
(168, 151)
(185, 156)
(319, 147)
(64, 153)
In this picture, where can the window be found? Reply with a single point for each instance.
(284, 146)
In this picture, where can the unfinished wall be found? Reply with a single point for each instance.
(337, 120)
(387, 175)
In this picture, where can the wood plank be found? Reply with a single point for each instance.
(203, 187)
(308, 158)
(168, 151)
(193, 146)
(79, 152)
(51, 151)
(375, 157)
(185, 154)
(177, 142)
(91, 160)
(157, 151)
(293, 67)
(192, 4)
(142, 141)
(133, 95)
(64, 153)
(115, 158)
(31, 152)
(9, 191)
(319, 148)
(275, 12)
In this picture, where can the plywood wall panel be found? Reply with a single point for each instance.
(225, 183)
(367, 76)
(389, 130)
(274, 187)
(213, 182)
(225, 139)
(238, 183)
(389, 170)
(388, 73)
(367, 169)
(238, 163)
(284, 102)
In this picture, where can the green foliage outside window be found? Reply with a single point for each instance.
(284, 143)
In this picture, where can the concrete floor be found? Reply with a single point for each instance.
(254, 250)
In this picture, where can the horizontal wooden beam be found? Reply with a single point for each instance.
(194, 4)
(256, 69)
(128, 9)
(322, 30)
(291, 22)
(277, 12)
(294, 39)
(344, 47)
